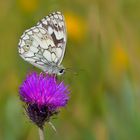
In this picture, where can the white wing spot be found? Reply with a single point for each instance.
(39, 25)
(50, 42)
(54, 21)
(30, 32)
(42, 43)
(47, 55)
(60, 24)
(22, 43)
(26, 37)
(29, 54)
(50, 30)
(35, 43)
(58, 12)
(36, 30)
(30, 60)
(55, 16)
(60, 16)
(48, 19)
(42, 31)
(44, 22)
(34, 49)
(53, 56)
(21, 50)
(58, 52)
(58, 35)
(56, 60)
(39, 62)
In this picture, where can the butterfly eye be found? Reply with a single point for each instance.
(61, 71)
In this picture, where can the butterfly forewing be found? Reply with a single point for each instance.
(44, 44)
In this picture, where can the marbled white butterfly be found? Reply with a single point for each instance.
(44, 44)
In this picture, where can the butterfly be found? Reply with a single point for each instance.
(44, 44)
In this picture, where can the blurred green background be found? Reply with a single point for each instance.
(103, 48)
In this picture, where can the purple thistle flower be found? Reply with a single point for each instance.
(43, 96)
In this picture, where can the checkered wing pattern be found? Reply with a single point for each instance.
(44, 44)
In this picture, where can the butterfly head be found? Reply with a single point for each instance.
(55, 69)
(60, 70)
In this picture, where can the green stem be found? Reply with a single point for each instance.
(41, 133)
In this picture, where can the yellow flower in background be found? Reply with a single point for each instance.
(28, 5)
(119, 60)
(76, 27)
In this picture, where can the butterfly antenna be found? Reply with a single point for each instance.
(71, 70)
(53, 127)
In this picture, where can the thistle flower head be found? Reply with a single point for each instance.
(43, 96)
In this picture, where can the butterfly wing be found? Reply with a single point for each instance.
(40, 46)
(34, 47)
(55, 25)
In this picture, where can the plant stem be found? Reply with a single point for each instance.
(41, 133)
